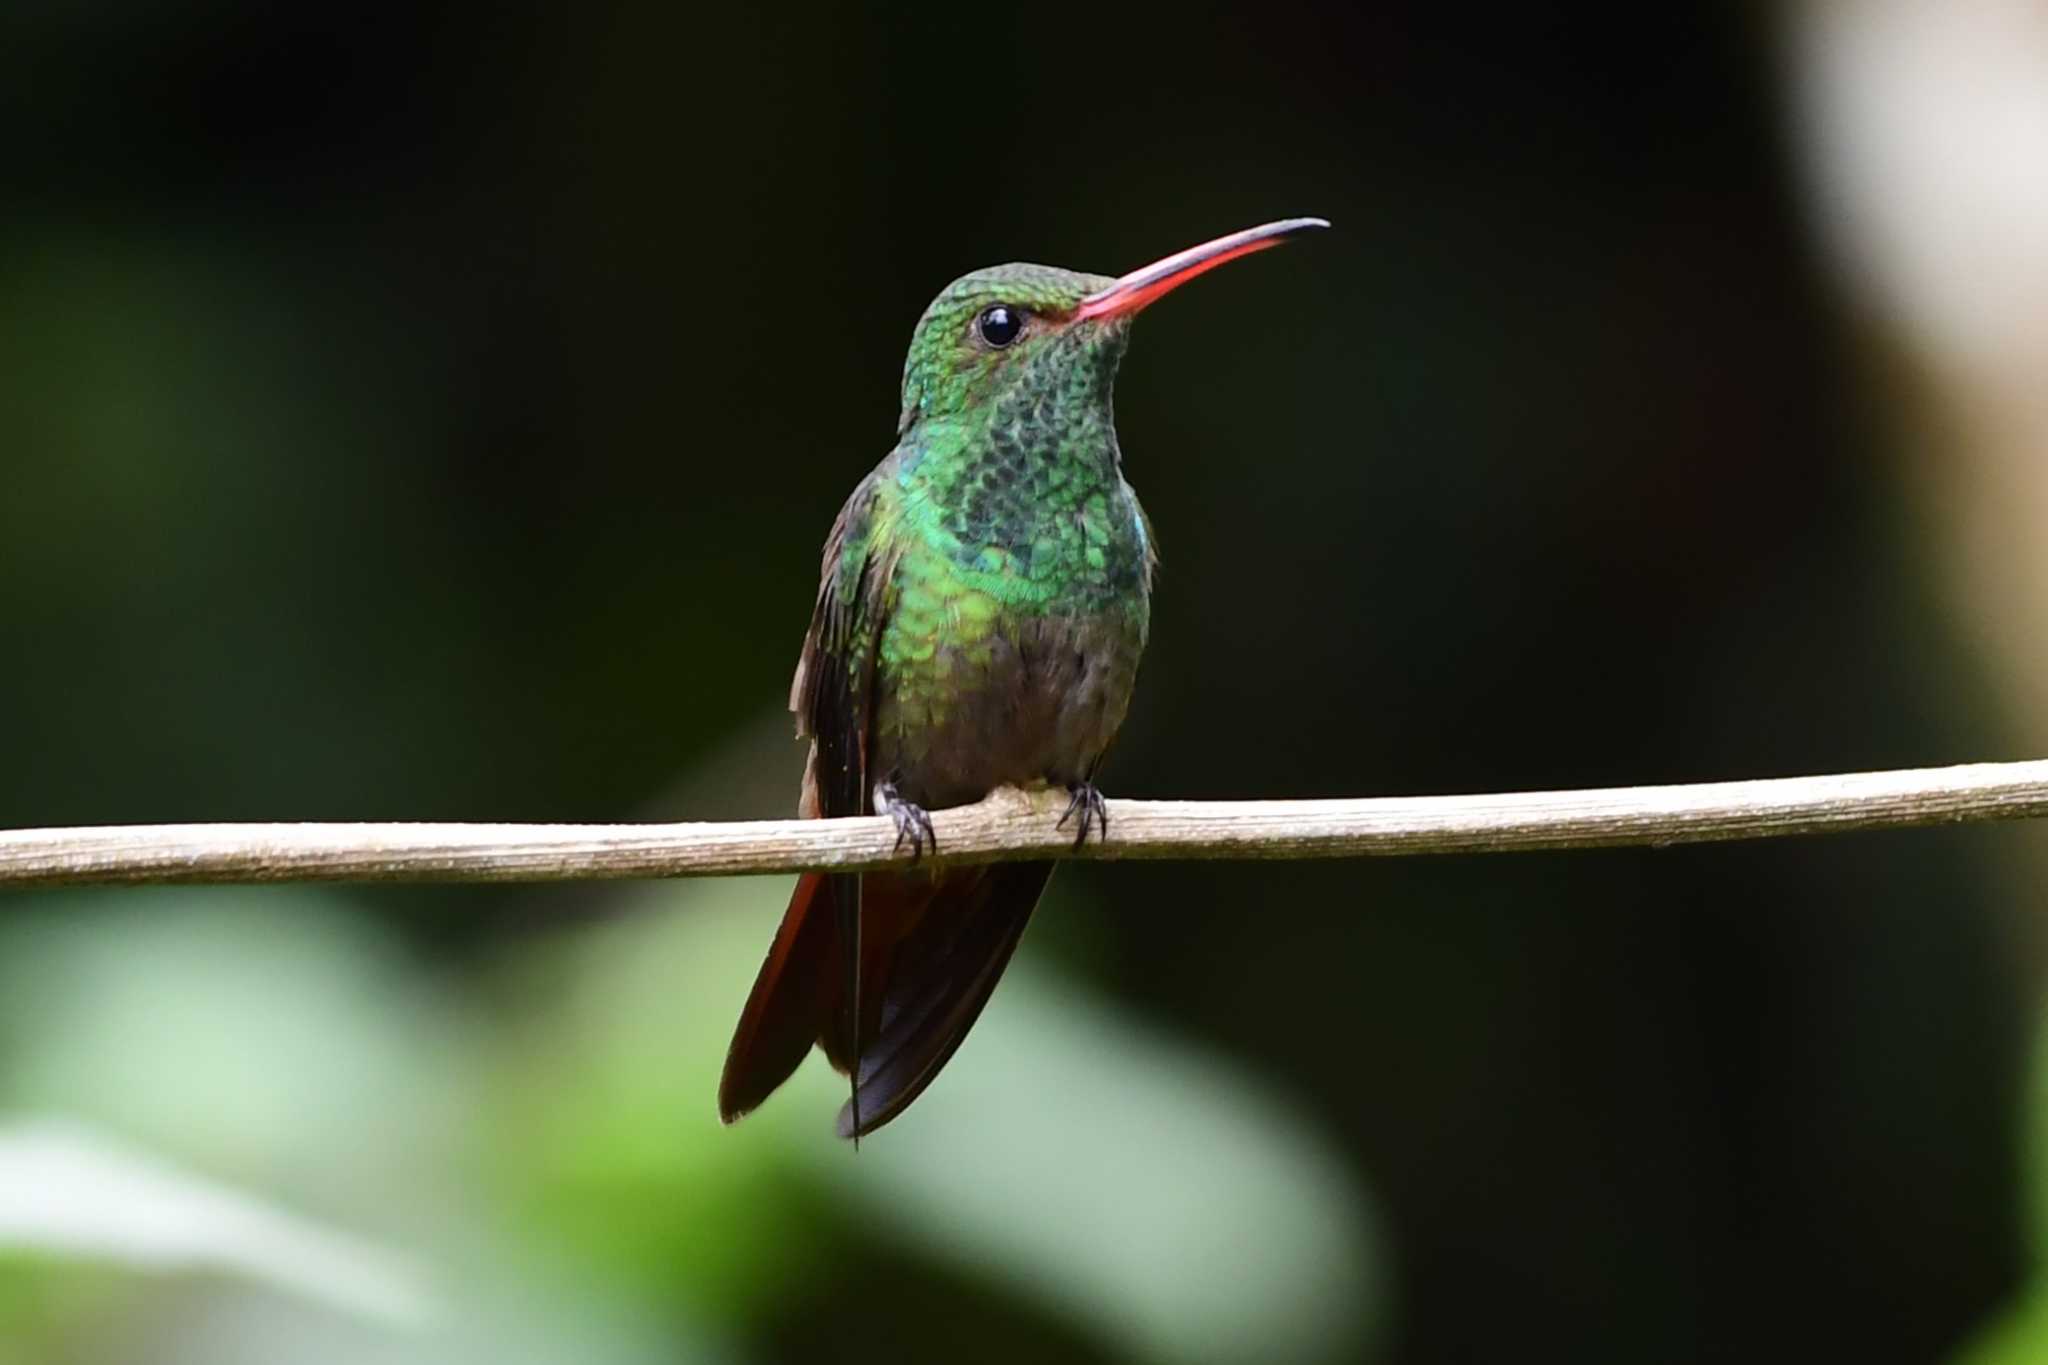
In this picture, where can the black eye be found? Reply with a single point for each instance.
(1000, 324)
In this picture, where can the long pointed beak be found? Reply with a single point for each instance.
(1141, 287)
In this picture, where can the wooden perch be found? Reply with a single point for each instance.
(1013, 824)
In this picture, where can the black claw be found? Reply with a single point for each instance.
(1086, 800)
(912, 823)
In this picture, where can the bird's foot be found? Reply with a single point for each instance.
(1086, 802)
(912, 822)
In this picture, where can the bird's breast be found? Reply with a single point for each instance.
(981, 684)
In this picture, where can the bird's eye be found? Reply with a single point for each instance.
(1000, 324)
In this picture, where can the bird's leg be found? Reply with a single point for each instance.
(1086, 802)
(912, 822)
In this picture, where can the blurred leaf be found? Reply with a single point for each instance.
(65, 1191)
(1186, 1211)
(243, 1029)
(272, 1037)
(2019, 1334)
(609, 1075)
(2016, 1338)
(1070, 1154)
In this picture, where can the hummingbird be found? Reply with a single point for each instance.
(983, 602)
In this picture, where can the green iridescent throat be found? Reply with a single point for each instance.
(1008, 466)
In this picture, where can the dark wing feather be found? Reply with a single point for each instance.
(780, 1021)
(943, 972)
(833, 691)
(794, 996)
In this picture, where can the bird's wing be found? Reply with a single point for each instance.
(833, 693)
(833, 698)
(917, 953)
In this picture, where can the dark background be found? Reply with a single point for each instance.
(434, 412)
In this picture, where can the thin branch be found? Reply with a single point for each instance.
(1013, 824)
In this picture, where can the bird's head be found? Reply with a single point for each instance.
(1037, 334)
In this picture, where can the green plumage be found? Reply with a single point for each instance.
(1009, 534)
(983, 601)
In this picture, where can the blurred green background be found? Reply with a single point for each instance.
(434, 412)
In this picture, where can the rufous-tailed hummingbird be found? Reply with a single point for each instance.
(984, 599)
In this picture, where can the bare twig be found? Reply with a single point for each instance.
(1012, 824)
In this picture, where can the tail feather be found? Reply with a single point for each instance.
(891, 906)
(931, 947)
(781, 1019)
(943, 974)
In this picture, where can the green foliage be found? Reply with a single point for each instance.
(546, 1137)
